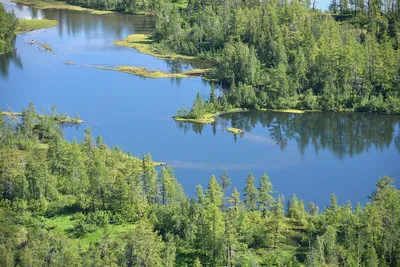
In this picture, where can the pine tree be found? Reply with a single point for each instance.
(224, 181)
(265, 197)
(251, 193)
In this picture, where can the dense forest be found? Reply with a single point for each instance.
(8, 24)
(84, 204)
(278, 54)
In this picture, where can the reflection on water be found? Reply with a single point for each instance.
(342, 133)
(6, 59)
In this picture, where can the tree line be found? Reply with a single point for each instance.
(107, 208)
(279, 54)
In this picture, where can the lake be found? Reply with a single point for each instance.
(312, 154)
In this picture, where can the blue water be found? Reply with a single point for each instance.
(135, 113)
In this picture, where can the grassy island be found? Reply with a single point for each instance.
(59, 5)
(27, 25)
(205, 119)
(155, 74)
(144, 44)
(235, 130)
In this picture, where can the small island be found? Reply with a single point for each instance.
(235, 130)
(154, 74)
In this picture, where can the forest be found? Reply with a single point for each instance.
(279, 54)
(8, 24)
(84, 204)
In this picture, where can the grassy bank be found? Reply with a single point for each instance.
(27, 25)
(154, 74)
(235, 130)
(59, 5)
(144, 44)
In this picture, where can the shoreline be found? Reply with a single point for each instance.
(144, 44)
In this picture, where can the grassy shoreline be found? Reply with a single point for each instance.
(154, 74)
(27, 25)
(210, 117)
(144, 44)
(60, 5)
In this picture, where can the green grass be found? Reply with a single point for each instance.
(63, 224)
(144, 44)
(235, 130)
(59, 5)
(27, 25)
(181, 5)
(208, 117)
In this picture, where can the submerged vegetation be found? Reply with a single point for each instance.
(27, 25)
(46, 47)
(84, 204)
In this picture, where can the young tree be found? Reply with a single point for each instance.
(251, 193)
(265, 197)
(224, 181)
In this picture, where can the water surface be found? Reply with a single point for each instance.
(311, 155)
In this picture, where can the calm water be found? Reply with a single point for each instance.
(311, 155)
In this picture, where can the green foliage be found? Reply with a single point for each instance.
(274, 55)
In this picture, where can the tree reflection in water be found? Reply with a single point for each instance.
(342, 133)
